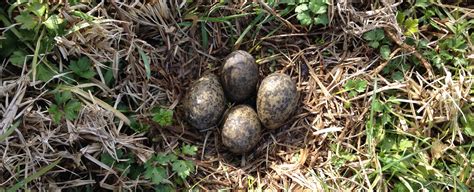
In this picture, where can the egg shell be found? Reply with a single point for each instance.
(204, 102)
(239, 76)
(241, 129)
(277, 99)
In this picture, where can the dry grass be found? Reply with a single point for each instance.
(297, 156)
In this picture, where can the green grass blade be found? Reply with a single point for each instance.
(35, 56)
(146, 62)
(9, 131)
(225, 18)
(251, 26)
(204, 36)
(36, 175)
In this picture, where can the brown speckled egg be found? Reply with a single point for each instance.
(239, 75)
(241, 129)
(204, 103)
(277, 98)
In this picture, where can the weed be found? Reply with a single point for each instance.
(311, 12)
(65, 107)
(376, 39)
(355, 87)
(164, 117)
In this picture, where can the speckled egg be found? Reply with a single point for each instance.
(239, 75)
(277, 99)
(204, 102)
(241, 129)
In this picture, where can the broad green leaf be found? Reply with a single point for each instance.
(385, 52)
(62, 97)
(165, 188)
(37, 8)
(304, 18)
(164, 117)
(27, 20)
(107, 159)
(55, 113)
(156, 174)
(468, 124)
(53, 22)
(82, 67)
(360, 85)
(377, 106)
(71, 109)
(405, 144)
(350, 84)
(164, 159)
(183, 168)
(397, 76)
(386, 118)
(374, 44)
(189, 150)
(138, 127)
(374, 35)
(44, 73)
(321, 19)
(18, 58)
(400, 17)
(411, 26)
(317, 8)
(301, 8)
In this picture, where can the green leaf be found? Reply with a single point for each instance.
(411, 26)
(374, 44)
(163, 117)
(301, 8)
(321, 19)
(405, 144)
(146, 62)
(385, 52)
(377, 106)
(304, 18)
(183, 168)
(62, 97)
(83, 15)
(139, 127)
(468, 124)
(44, 73)
(400, 17)
(164, 159)
(397, 76)
(360, 85)
(55, 113)
(165, 188)
(27, 20)
(156, 174)
(106, 159)
(37, 8)
(317, 8)
(53, 22)
(189, 150)
(71, 109)
(82, 67)
(374, 35)
(422, 3)
(18, 58)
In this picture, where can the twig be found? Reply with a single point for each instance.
(409, 48)
(269, 9)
